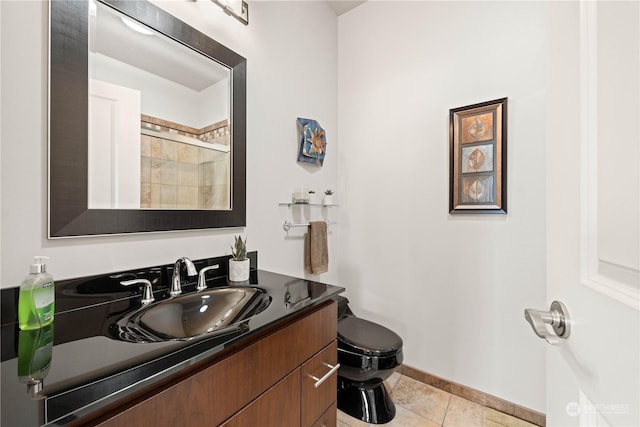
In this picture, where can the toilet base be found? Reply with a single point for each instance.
(368, 402)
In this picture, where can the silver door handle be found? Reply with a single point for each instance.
(557, 317)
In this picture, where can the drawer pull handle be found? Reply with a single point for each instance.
(319, 381)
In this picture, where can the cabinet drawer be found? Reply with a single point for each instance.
(317, 399)
(279, 406)
(329, 418)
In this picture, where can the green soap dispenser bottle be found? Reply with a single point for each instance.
(36, 302)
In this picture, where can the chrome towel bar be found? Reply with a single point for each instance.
(288, 224)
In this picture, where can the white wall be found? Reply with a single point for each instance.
(215, 102)
(164, 98)
(291, 72)
(454, 287)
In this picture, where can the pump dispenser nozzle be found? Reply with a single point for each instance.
(39, 264)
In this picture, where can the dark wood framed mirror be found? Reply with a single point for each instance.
(70, 214)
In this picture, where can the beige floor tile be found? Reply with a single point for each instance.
(406, 418)
(502, 419)
(463, 413)
(422, 399)
(391, 382)
(345, 420)
(421, 405)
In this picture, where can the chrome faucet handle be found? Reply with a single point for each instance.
(176, 285)
(147, 293)
(202, 283)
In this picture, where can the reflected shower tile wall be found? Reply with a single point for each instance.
(145, 195)
(201, 181)
(217, 132)
(163, 149)
(207, 172)
(214, 181)
(206, 177)
(145, 145)
(205, 197)
(177, 175)
(168, 196)
(214, 197)
(188, 153)
(164, 196)
(164, 172)
(221, 172)
(187, 175)
(145, 169)
(167, 126)
(187, 197)
(221, 197)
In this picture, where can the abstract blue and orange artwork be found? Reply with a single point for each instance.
(313, 142)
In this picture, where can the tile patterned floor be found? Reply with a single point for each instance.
(421, 405)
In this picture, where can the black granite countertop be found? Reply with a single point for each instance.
(91, 369)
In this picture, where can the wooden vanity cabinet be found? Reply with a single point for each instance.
(266, 383)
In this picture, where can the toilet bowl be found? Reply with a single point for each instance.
(368, 354)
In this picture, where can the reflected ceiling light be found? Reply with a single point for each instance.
(239, 9)
(136, 27)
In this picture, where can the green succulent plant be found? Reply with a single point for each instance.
(239, 249)
(328, 192)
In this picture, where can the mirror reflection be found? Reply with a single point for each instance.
(159, 120)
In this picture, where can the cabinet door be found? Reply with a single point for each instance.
(316, 398)
(277, 407)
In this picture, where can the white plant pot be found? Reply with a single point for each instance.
(238, 270)
(328, 199)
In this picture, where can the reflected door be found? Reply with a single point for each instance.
(114, 146)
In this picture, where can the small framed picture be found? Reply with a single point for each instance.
(312, 141)
(478, 158)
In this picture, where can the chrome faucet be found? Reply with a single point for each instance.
(176, 285)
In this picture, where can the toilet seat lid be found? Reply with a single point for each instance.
(366, 337)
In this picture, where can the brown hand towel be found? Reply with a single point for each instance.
(317, 252)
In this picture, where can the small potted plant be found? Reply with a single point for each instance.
(328, 197)
(239, 263)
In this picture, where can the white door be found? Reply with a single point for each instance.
(593, 213)
(114, 146)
